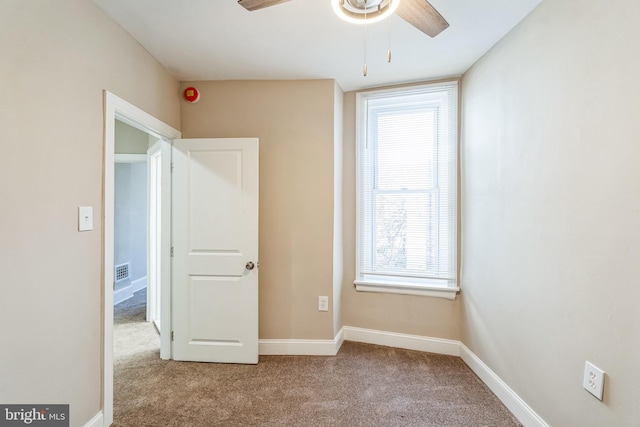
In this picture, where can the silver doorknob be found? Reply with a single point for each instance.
(250, 265)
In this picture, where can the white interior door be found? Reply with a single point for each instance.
(215, 250)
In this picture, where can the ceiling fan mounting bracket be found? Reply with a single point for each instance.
(361, 11)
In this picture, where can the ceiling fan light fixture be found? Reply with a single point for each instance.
(364, 11)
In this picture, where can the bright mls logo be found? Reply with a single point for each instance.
(34, 415)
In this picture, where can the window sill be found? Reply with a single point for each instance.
(405, 289)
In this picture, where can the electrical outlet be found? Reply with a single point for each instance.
(323, 303)
(593, 380)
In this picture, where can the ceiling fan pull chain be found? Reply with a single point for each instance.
(389, 50)
(364, 68)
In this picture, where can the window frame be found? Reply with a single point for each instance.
(371, 282)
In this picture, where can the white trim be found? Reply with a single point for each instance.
(301, 347)
(523, 412)
(158, 327)
(122, 294)
(159, 249)
(134, 116)
(117, 108)
(392, 288)
(339, 339)
(126, 292)
(139, 284)
(444, 90)
(96, 421)
(409, 342)
(130, 158)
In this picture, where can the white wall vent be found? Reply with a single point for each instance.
(121, 272)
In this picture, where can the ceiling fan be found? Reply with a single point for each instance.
(418, 13)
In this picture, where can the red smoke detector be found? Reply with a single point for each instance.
(191, 94)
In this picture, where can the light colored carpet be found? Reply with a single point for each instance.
(364, 385)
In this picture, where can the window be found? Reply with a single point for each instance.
(407, 166)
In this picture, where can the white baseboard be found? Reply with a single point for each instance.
(96, 421)
(122, 294)
(409, 342)
(339, 339)
(126, 292)
(523, 412)
(139, 284)
(301, 347)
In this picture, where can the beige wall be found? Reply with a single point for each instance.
(418, 315)
(57, 57)
(551, 209)
(294, 121)
(549, 154)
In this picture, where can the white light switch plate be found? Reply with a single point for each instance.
(85, 218)
(323, 303)
(593, 380)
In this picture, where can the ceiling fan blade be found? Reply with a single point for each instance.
(259, 4)
(423, 16)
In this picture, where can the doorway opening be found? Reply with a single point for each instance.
(136, 285)
(131, 233)
(119, 110)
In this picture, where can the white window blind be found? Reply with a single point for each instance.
(407, 187)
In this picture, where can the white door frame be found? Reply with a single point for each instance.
(117, 108)
(160, 256)
(154, 231)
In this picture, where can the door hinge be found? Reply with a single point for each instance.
(172, 251)
(172, 167)
(171, 335)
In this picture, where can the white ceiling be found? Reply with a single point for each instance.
(304, 39)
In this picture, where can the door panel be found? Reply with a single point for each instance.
(215, 235)
(227, 182)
